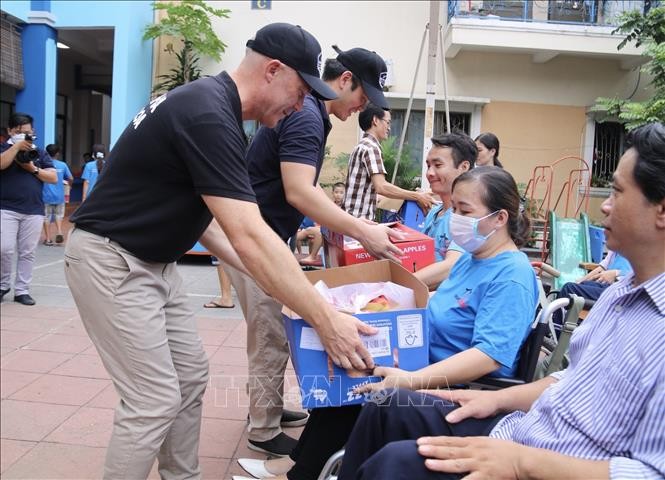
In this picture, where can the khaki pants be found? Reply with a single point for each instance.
(267, 354)
(137, 317)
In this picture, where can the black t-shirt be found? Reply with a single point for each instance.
(184, 144)
(299, 138)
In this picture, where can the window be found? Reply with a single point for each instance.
(415, 131)
(608, 146)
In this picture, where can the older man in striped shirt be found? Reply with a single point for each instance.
(603, 417)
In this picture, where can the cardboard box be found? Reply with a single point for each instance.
(342, 250)
(404, 335)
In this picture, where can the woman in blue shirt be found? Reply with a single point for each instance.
(93, 169)
(479, 317)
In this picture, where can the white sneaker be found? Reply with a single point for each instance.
(254, 467)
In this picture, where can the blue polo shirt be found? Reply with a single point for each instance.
(436, 226)
(488, 304)
(20, 190)
(54, 193)
(300, 138)
(90, 173)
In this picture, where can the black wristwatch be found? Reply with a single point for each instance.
(35, 172)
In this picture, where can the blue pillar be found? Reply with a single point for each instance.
(38, 97)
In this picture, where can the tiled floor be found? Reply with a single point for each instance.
(57, 400)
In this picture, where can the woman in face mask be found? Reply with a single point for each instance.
(93, 169)
(479, 317)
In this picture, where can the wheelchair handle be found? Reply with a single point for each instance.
(548, 269)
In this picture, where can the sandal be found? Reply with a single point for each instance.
(214, 304)
(48, 243)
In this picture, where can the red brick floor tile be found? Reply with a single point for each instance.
(33, 361)
(87, 366)
(72, 327)
(55, 461)
(230, 356)
(211, 469)
(89, 426)
(61, 390)
(213, 337)
(238, 337)
(11, 451)
(213, 323)
(7, 320)
(35, 324)
(210, 350)
(11, 381)
(6, 351)
(107, 398)
(14, 339)
(58, 314)
(219, 438)
(30, 420)
(60, 343)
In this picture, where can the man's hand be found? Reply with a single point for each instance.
(376, 240)
(473, 403)
(341, 340)
(481, 457)
(608, 277)
(426, 200)
(393, 378)
(28, 167)
(23, 145)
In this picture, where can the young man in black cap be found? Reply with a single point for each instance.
(179, 164)
(284, 165)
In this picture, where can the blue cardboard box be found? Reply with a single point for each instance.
(412, 215)
(597, 238)
(403, 338)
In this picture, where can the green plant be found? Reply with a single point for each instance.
(189, 21)
(647, 30)
(599, 181)
(408, 175)
(340, 163)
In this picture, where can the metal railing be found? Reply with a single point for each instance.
(587, 12)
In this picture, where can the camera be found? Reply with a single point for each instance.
(30, 155)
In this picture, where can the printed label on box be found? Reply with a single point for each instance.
(309, 340)
(410, 331)
(378, 345)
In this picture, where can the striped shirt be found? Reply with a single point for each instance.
(365, 161)
(610, 403)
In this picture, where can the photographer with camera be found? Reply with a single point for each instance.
(24, 169)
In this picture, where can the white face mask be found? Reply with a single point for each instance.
(464, 231)
(19, 137)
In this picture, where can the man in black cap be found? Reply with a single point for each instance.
(284, 165)
(179, 164)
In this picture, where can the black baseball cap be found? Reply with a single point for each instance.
(370, 69)
(297, 48)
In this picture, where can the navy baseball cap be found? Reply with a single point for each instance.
(370, 69)
(297, 48)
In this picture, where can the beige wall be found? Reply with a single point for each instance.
(536, 109)
(537, 134)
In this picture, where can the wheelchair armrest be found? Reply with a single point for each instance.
(588, 266)
(496, 382)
